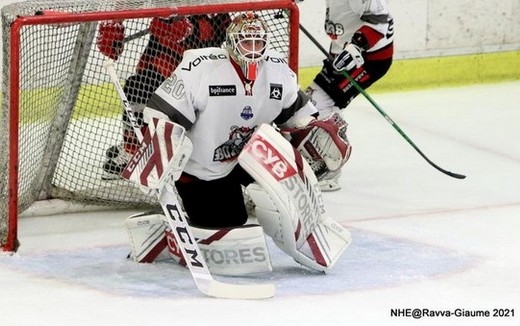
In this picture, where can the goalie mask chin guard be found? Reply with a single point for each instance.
(246, 41)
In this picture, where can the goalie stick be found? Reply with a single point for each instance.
(378, 108)
(177, 219)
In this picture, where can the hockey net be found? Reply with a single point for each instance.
(60, 113)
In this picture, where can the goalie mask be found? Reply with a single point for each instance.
(246, 42)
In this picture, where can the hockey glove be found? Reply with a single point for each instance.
(172, 31)
(164, 152)
(110, 39)
(349, 59)
(323, 144)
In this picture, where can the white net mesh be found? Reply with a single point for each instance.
(68, 112)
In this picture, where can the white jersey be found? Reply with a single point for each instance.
(344, 17)
(207, 96)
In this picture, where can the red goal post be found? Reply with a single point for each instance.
(59, 110)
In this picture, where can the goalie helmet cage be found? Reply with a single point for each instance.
(59, 110)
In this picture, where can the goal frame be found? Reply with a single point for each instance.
(13, 101)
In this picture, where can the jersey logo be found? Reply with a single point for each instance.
(276, 92)
(223, 90)
(231, 148)
(197, 61)
(269, 158)
(247, 113)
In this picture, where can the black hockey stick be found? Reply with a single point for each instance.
(136, 35)
(378, 108)
(177, 219)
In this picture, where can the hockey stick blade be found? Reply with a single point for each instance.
(379, 109)
(177, 219)
(221, 290)
(195, 260)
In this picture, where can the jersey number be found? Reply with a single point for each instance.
(173, 86)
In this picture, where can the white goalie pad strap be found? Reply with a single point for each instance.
(234, 251)
(147, 233)
(289, 205)
(163, 153)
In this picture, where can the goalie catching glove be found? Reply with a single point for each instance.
(323, 144)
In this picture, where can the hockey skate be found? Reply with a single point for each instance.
(330, 183)
(117, 160)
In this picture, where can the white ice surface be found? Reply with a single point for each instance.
(421, 239)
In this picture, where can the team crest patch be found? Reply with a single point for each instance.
(222, 90)
(276, 91)
(247, 113)
(231, 148)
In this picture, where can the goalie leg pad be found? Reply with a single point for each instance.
(149, 243)
(234, 251)
(288, 201)
(321, 247)
(326, 243)
(228, 251)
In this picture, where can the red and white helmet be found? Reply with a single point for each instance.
(246, 41)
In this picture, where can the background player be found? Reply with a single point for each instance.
(362, 45)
